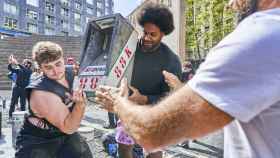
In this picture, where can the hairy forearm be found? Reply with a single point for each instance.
(73, 120)
(154, 127)
(183, 115)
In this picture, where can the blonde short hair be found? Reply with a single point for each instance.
(46, 51)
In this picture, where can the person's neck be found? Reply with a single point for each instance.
(63, 81)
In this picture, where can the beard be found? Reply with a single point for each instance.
(148, 48)
(250, 8)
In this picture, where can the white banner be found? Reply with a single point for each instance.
(126, 56)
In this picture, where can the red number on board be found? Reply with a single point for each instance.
(128, 52)
(94, 83)
(122, 62)
(118, 72)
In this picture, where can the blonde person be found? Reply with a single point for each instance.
(56, 110)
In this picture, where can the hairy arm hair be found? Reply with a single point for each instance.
(183, 115)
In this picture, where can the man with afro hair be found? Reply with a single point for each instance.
(227, 92)
(152, 57)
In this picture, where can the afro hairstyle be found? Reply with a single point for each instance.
(158, 15)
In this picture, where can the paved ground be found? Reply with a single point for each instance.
(208, 147)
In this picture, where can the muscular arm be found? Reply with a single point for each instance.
(49, 106)
(183, 115)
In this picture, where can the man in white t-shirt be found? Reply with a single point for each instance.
(237, 88)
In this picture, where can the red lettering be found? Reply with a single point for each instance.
(94, 82)
(83, 82)
(128, 52)
(122, 62)
(118, 72)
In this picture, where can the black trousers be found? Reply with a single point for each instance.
(70, 146)
(17, 92)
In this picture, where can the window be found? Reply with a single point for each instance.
(77, 28)
(99, 5)
(98, 13)
(49, 19)
(107, 11)
(10, 22)
(49, 31)
(77, 17)
(87, 19)
(107, 3)
(90, 2)
(50, 6)
(32, 14)
(65, 2)
(65, 24)
(78, 6)
(33, 2)
(90, 10)
(9, 8)
(65, 12)
(32, 28)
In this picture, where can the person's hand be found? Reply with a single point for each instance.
(79, 98)
(12, 60)
(137, 97)
(172, 81)
(124, 90)
(105, 97)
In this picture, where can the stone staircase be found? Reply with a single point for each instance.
(21, 48)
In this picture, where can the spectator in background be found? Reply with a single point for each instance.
(12, 76)
(23, 73)
(188, 72)
(36, 72)
(72, 64)
(70, 61)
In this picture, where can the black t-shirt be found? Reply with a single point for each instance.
(147, 74)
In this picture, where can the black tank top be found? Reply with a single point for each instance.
(45, 84)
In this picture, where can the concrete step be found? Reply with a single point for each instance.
(5, 84)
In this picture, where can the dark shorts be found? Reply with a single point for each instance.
(70, 146)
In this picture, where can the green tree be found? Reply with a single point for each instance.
(207, 22)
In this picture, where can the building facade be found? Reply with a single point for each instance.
(176, 40)
(52, 17)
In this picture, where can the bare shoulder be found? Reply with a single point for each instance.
(43, 101)
(43, 97)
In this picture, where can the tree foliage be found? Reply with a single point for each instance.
(207, 22)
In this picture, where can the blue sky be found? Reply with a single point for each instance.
(125, 6)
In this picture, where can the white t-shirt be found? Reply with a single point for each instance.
(241, 76)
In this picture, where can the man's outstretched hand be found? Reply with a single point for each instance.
(106, 95)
